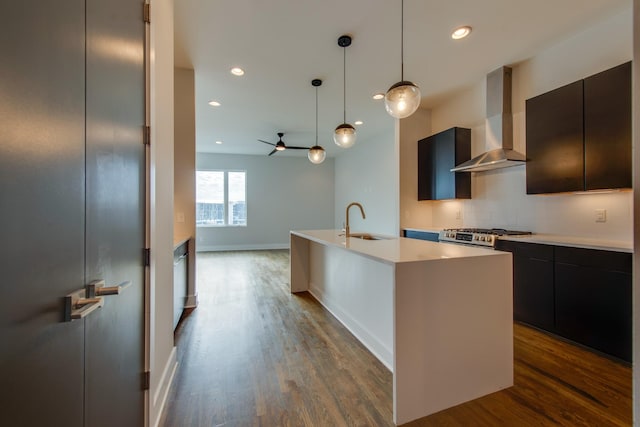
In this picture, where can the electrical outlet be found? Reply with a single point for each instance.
(601, 215)
(458, 214)
(180, 217)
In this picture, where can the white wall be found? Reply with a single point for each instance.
(368, 173)
(162, 360)
(413, 213)
(283, 194)
(184, 194)
(499, 197)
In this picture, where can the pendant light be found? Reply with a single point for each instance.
(403, 98)
(345, 134)
(316, 153)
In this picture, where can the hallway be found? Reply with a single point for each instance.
(253, 354)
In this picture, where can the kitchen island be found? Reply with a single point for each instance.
(438, 315)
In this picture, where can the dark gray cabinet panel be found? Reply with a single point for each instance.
(41, 211)
(607, 129)
(579, 135)
(72, 184)
(583, 295)
(555, 141)
(439, 153)
(422, 235)
(593, 299)
(115, 180)
(533, 293)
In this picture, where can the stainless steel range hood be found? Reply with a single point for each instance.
(499, 128)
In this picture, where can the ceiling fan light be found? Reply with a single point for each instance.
(402, 99)
(316, 154)
(345, 136)
(280, 146)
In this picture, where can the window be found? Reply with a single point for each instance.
(221, 198)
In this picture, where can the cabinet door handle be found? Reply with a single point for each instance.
(77, 305)
(97, 288)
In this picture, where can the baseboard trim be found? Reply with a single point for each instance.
(252, 247)
(164, 385)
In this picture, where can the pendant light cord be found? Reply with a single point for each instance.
(316, 115)
(402, 41)
(344, 84)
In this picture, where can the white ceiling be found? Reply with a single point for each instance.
(284, 44)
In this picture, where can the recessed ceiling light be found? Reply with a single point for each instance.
(219, 142)
(237, 71)
(358, 122)
(461, 32)
(378, 96)
(214, 103)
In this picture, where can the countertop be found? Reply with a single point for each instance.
(574, 242)
(394, 250)
(562, 240)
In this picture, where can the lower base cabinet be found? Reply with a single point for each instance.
(593, 299)
(533, 296)
(583, 295)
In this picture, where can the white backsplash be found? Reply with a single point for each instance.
(500, 200)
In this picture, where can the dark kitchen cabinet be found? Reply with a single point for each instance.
(533, 294)
(593, 299)
(439, 153)
(422, 235)
(607, 129)
(555, 146)
(579, 136)
(583, 295)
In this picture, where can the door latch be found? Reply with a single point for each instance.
(77, 305)
(97, 288)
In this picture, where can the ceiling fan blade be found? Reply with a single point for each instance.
(297, 148)
(274, 150)
(266, 142)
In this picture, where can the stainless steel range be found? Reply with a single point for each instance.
(477, 236)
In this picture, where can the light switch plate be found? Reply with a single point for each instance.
(601, 215)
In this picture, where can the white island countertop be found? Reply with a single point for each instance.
(394, 250)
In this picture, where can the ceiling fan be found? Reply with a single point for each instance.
(280, 145)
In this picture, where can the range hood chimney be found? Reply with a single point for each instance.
(499, 128)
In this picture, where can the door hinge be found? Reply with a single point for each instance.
(146, 380)
(147, 257)
(146, 135)
(146, 13)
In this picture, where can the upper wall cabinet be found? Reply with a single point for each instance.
(607, 129)
(579, 135)
(439, 153)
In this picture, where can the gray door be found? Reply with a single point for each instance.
(71, 211)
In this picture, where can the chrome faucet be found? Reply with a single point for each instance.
(346, 228)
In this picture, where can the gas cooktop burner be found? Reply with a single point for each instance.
(477, 236)
(492, 231)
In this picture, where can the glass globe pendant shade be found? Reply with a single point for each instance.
(316, 154)
(402, 99)
(345, 136)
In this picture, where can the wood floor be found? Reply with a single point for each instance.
(252, 354)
